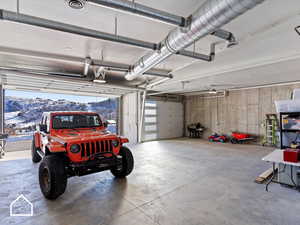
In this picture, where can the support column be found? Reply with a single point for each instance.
(141, 122)
(119, 116)
(130, 116)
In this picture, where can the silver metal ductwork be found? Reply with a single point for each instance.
(212, 15)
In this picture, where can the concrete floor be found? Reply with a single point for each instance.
(175, 182)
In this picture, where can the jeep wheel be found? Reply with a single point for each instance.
(127, 164)
(52, 177)
(34, 155)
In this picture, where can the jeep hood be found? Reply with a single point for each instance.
(84, 135)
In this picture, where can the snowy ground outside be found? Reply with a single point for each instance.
(19, 138)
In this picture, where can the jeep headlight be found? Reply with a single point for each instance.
(115, 143)
(75, 148)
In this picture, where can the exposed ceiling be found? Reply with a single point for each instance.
(268, 50)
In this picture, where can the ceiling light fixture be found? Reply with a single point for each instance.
(100, 81)
(76, 4)
(297, 29)
(213, 91)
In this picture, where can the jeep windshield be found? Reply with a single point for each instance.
(71, 121)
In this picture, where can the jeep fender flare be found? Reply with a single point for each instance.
(55, 147)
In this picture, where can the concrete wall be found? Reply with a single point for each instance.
(242, 110)
(129, 117)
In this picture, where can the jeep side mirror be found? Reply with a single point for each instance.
(43, 128)
(105, 124)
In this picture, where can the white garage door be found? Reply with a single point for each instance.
(162, 120)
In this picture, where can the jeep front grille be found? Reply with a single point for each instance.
(91, 148)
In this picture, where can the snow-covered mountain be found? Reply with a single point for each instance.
(25, 112)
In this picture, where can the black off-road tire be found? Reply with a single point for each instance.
(127, 164)
(52, 176)
(34, 155)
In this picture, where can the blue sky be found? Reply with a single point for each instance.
(75, 98)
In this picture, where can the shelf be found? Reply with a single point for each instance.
(290, 130)
(282, 116)
(290, 113)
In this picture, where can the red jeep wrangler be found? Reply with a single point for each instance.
(76, 144)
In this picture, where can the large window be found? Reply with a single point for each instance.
(24, 109)
(150, 121)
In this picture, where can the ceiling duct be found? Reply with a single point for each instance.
(212, 15)
(125, 68)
